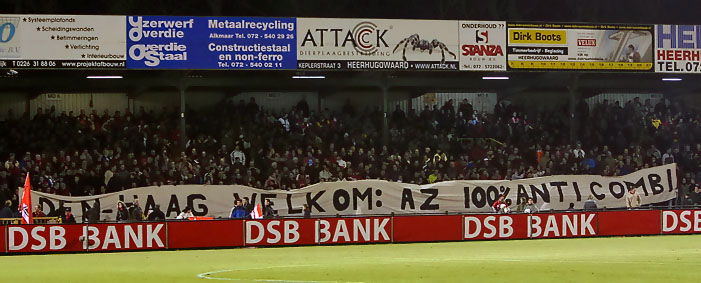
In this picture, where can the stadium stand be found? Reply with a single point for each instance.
(93, 153)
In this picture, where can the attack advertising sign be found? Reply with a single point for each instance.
(678, 48)
(482, 46)
(164, 42)
(377, 44)
(61, 41)
(580, 46)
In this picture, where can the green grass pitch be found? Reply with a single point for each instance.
(632, 259)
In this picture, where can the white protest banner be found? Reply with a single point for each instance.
(382, 197)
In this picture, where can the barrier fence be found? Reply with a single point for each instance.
(37, 220)
(48, 238)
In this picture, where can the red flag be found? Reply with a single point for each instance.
(257, 213)
(25, 207)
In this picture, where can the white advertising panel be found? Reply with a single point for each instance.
(377, 44)
(62, 41)
(482, 46)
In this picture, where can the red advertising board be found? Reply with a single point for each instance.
(3, 248)
(329, 231)
(427, 228)
(276, 232)
(189, 234)
(631, 222)
(354, 230)
(122, 236)
(563, 225)
(681, 222)
(491, 226)
(44, 238)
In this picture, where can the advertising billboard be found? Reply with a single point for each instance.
(678, 48)
(62, 41)
(482, 46)
(377, 44)
(170, 42)
(580, 46)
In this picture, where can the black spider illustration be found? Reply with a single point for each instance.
(423, 45)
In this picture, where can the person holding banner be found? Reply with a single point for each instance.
(122, 212)
(268, 211)
(238, 212)
(185, 214)
(590, 204)
(633, 199)
(248, 206)
(531, 207)
(67, 217)
(38, 211)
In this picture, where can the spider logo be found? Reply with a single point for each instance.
(423, 45)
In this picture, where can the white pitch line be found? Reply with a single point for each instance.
(206, 275)
(419, 260)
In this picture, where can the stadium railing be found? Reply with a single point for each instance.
(37, 220)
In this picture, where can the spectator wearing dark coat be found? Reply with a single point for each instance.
(93, 215)
(307, 211)
(136, 214)
(268, 211)
(67, 217)
(239, 212)
(6, 211)
(122, 212)
(590, 204)
(156, 214)
(248, 206)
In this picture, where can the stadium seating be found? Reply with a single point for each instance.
(243, 144)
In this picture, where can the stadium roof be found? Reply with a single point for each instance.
(136, 82)
(642, 11)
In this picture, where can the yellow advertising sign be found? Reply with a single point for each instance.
(538, 36)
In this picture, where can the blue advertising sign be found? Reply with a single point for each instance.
(165, 42)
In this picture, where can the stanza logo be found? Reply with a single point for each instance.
(481, 36)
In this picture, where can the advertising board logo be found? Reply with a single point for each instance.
(481, 36)
(482, 50)
(8, 27)
(157, 31)
(520, 36)
(365, 38)
(366, 43)
(586, 42)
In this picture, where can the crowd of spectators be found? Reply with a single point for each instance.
(90, 153)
